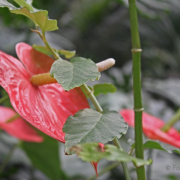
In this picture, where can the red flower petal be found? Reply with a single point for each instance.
(152, 128)
(45, 107)
(18, 128)
(34, 61)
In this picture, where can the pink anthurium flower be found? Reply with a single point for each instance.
(152, 128)
(45, 107)
(18, 128)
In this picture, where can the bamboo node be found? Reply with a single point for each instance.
(136, 50)
(139, 110)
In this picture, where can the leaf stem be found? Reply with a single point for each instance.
(7, 158)
(13, 118)
(172, 121)
(92, 97)
(56, 56)
(99, 109)
(149, 168)
(124, 165)
(138, 108)
(106, 169)
(43, 37)
(4, 99)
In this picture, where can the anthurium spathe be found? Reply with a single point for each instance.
(18, 128)
(45, 107)
(152, 128)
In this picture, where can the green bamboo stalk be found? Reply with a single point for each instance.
(99, 109)
(172, 121)
(138, 108)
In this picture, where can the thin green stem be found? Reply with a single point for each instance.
(116, 142)
(124, 165)
(172, 121)
(131, 151)
(106, 169)
(149, 168)
(138, 108)
(92, 97)
(7, 158)
(99, 109)
(13, 118)
(56, 56)
(4, 99)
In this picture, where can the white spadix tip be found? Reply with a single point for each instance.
(103, 65)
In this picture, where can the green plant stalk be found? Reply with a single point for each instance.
(4, 99)
(149, 168)
(106, 169)
(131, 151)
(124, 165)
(92, 97)
(99, 109)
(7, 158)
(13, 118)
(172, 121)
(56, 56)
(138, 109)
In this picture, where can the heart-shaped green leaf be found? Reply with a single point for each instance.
(93, 153)
(74, 73)
(89, 125)
(39, 17)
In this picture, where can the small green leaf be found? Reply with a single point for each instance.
(93, 153)
(104, 89)
(45, 50)
(39, 17)
(23, 3)
(67, 54)
(42, 49)
(153, 145)
(89, 125)
(45, 156)
(159, 146)
(74, 73)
